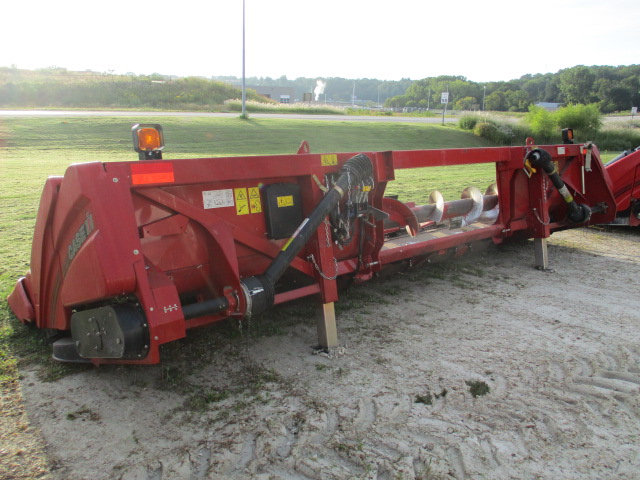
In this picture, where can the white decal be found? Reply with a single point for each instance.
(217, 198)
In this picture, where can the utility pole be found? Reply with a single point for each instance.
(244, 85)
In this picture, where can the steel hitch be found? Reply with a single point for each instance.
(539, 158)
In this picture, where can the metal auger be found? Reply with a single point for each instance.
(473, 206)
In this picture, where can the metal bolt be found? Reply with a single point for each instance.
(151, 309)
(115, 180)
(136, 252)
(155, 338)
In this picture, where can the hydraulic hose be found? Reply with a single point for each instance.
(354, 171)
(578, 212)
(259, 290)
(262, 287)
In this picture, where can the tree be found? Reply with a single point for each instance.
(466, 103)
(517, 101)
(496, 102)
(576, 85)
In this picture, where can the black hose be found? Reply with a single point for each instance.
(578, 213)
(208, 307)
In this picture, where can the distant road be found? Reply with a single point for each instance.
(292, 116)
(344, 118)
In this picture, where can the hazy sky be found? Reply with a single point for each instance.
(388, 40)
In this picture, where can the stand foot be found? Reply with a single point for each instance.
(327, 330)
(542, 256)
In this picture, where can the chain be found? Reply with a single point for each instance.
(349, 204)
(535, 211)
(335, 263)
(326, 231)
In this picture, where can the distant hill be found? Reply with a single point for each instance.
(61, 88)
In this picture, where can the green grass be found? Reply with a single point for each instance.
(31, 149)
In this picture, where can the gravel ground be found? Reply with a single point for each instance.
(479, 368)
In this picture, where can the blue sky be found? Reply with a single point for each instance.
(481, 40)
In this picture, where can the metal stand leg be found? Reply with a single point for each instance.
(542, 256)
(327, 330)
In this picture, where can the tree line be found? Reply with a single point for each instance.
(611, 88)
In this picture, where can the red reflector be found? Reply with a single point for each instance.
(144, 173)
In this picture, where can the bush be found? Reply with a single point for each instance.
(541, 123)
(499, 133)
(484, 129)
(468, 122)
(585, 119)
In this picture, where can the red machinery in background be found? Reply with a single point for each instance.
(624, 175)
(127, 256)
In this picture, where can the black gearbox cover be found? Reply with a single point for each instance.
(114, 331)
(283, 210)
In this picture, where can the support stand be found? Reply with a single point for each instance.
(542, 256)
(327, 330)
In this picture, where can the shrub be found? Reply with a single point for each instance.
(484, 130)
(541, 122)
(585, 119)
(498, 133)
(468, 122)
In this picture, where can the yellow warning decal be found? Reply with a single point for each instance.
(242, 202)
(286, 201)
(255, 204)
(328, 160)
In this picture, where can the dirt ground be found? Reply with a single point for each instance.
(484, 368)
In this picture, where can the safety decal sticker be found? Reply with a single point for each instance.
(328, 160)
(242, 201)
(217, 198)
(286, 201)
(255, 204)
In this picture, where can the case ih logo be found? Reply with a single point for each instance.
(80, 237)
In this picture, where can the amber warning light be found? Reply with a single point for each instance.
(148, 141)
